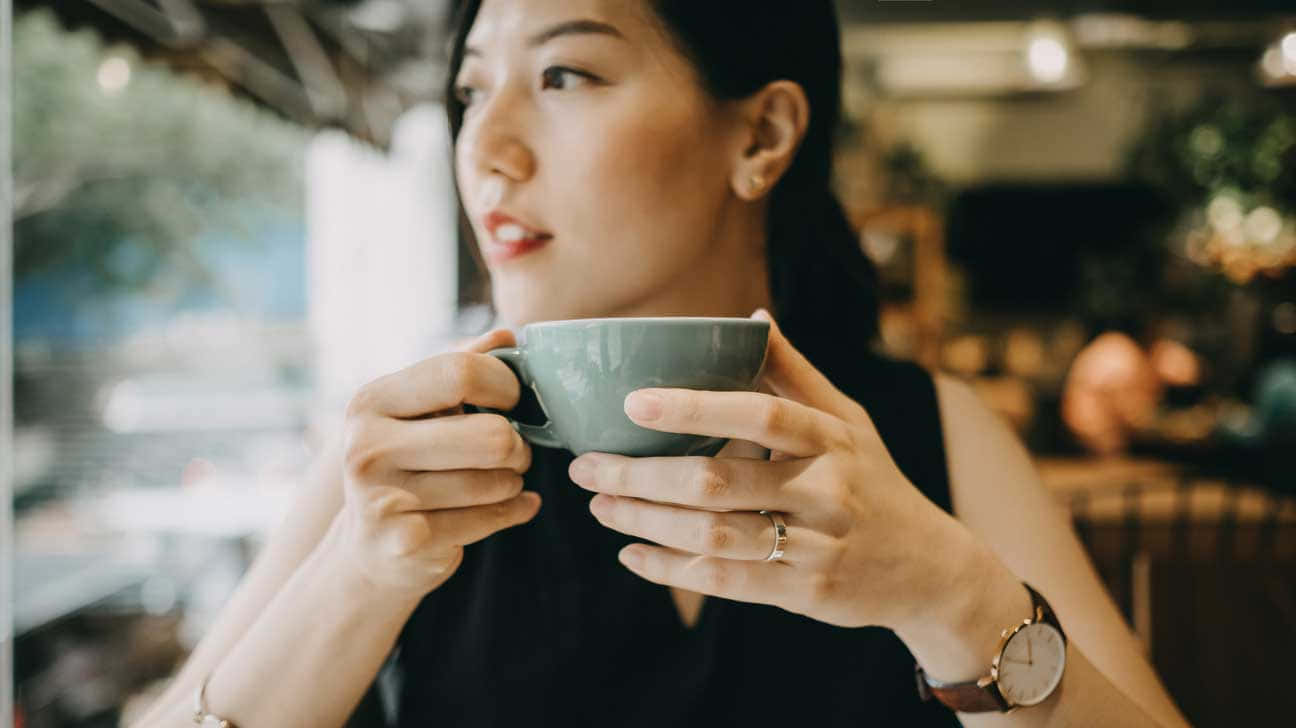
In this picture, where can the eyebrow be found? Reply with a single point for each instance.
(567, 27)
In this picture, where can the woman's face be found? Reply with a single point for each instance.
(588, 135)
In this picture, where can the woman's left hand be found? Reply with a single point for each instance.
(864, 546)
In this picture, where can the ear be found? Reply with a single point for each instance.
(775, 120)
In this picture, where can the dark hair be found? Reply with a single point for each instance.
(823, 287)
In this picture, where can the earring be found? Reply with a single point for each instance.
(756, 182)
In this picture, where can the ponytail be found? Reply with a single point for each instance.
(824, 288)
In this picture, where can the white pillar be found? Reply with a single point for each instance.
(381, 253)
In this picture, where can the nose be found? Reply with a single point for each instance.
(494, 140)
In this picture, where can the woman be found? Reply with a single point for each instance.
(666, 157)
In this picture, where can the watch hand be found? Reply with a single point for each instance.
(1029, 659)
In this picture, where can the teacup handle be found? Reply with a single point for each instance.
(542, 435)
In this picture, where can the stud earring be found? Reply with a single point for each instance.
(756, 183)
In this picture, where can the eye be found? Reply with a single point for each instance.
(465, 94)
(558, 77)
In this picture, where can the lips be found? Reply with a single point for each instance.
(510, 237)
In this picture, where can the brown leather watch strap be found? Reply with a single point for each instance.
(973, 696)
(1044, 611)
(983, 696)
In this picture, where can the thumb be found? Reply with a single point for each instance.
(789, 374)
(493, 339)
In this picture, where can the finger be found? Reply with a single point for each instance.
(479, 441)
(740, 535)
(772, 422)
(789, 374)
(493, 339)
(700, 482)
(439, 383)
(462, 526)
(746, 581)
(435, 491)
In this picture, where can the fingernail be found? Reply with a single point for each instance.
(762, 314)
(643, 406)
(600, 504)
(630, 556)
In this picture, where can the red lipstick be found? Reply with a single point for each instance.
(509, 237)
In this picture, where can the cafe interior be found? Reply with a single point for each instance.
(1086, 210)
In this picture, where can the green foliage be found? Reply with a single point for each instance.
(123, 182)
(1243, 146)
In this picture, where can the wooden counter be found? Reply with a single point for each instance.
(1205, 571)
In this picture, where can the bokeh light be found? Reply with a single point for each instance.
(1288, 45)
(1047, 58)
(114, 74)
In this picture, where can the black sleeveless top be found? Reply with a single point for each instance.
(541, 626)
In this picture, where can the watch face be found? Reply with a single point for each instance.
(1031, 664)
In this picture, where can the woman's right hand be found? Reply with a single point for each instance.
(421, 478)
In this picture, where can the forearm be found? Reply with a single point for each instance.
(1084, 698)
(310, 656)
(957, 642)
(308, 518)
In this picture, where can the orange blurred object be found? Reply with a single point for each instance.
(1175, 363)
(1111, 390)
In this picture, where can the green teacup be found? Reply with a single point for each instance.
(582, 369)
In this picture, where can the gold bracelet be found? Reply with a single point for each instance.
(200, 715)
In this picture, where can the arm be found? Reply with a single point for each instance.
(1020, 533)
(318, 643)
(305, 608)
(308, 518)
(866, 547)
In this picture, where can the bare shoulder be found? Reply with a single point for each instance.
(987, 462)
(997, 494)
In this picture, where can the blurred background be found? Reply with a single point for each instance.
(229, 215)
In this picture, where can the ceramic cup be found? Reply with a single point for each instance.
(582, 369)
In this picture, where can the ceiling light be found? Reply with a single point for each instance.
(1047, 58)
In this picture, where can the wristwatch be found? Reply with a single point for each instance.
(1025, 671)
